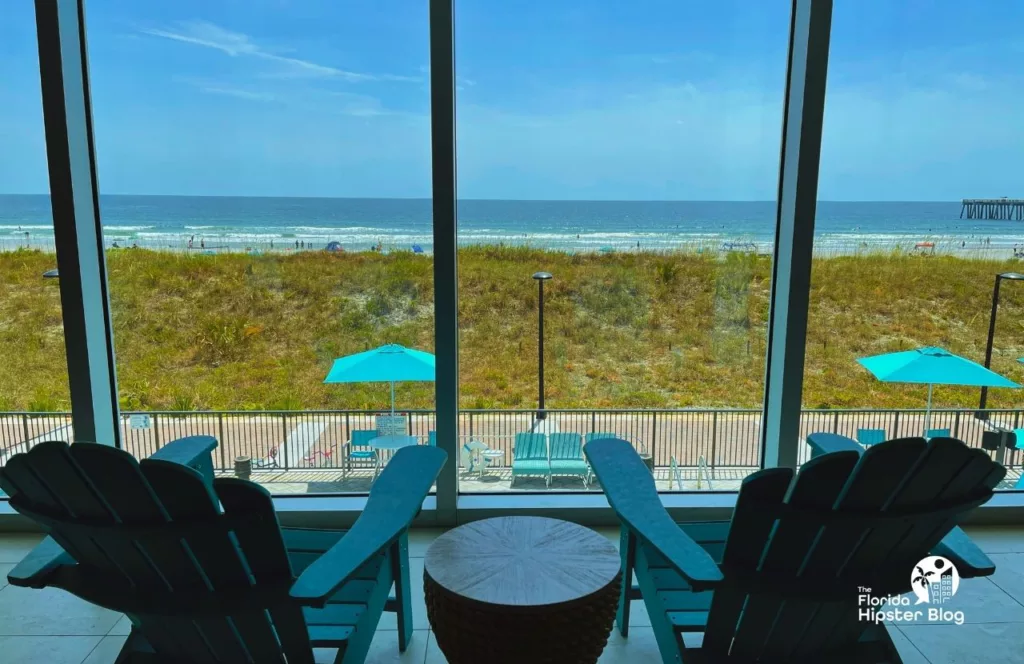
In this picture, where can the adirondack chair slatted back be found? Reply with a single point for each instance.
(530, 447)
(566, 446)
(153, 543)
(795, 555)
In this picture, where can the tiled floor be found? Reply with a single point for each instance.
(53, 627)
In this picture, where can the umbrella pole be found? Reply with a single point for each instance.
(928, 408)
(393, 397)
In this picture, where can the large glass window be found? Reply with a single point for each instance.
(630, 152)
(265, 184)
(34, 398)
(921, 113)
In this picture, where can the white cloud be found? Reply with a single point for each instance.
(203, 33)
(209, 35)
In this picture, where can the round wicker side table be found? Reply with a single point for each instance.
(521, 589)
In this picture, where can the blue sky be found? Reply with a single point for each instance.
(575, 99)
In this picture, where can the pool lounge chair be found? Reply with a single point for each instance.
(780, 581)
(200, 565)
(936, 433)
(567, 456)
(357, 450)
(530, 457)
(869, 437)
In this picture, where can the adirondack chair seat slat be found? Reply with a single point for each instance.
(568, 467)
(308, 540)
(685, 600)
(334, 614)
(531, 466)
(798, 548)
(201, 567)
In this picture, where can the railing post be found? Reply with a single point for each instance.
(156, 432)
(471, 425)
(593, 421)
(896, 424)
(24, 428)
(956, 425)
(714, 437)
(220, 440)
(654, 437)
(284, 440)
(835, 423)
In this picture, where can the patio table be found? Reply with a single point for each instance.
(521, 589)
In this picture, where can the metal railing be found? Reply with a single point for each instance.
(286, 440)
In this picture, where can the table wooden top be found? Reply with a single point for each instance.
(522, 561)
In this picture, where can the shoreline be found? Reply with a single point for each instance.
(825, 246)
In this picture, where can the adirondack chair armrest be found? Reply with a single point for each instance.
(395, 500)
(37, 568)
(631, 492)
(681, 552)
(196, 452)
(961, 550)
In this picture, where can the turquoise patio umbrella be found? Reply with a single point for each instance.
(388, 364)
(932, 366)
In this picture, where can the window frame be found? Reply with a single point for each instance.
(86, 307)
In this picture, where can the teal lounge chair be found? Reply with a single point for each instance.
(200, 565)
(936, 433)
(869, 437)
(530, 457)
(780, 581)
(567, 456)
(432, 438)
(358, 451)
(1019, 444)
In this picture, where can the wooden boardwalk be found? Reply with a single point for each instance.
(993, 208)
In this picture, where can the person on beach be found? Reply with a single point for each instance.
(296, 244)
(202, 243)
(190, 243)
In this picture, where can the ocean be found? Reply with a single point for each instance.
(283, 224)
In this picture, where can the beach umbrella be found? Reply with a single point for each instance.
(932, 366)
(388, 364)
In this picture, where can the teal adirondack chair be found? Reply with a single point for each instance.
(530, 457)
(567, 456)
(201, 566)
(779, 583)
(869, 437)
(357, 450)
(936, 433)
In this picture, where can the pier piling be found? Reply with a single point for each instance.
(1007, 209)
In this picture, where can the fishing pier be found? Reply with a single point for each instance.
(993, 208)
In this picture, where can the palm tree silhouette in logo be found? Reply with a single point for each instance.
(921, 577)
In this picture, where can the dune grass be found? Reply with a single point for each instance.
(232, 331)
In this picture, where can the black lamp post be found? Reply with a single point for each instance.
(541, 277)
(1011, 276)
